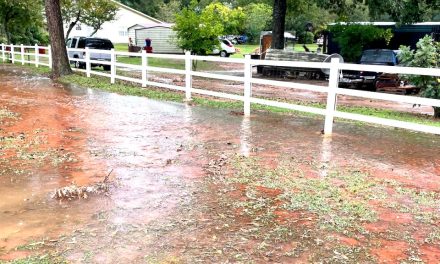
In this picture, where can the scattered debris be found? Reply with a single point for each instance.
(77, 192)
(74, 191)
(236, 113)
(215, 166)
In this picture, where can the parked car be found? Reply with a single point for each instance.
(91, 43)
(370, 57)
(236, 39)
(226, 48)
(242, 39)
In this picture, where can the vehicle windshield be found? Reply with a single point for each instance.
(378, 56)
(103, 44)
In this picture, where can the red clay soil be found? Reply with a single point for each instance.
(190, 184)
(288, 94)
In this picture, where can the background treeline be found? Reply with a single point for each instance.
(22, 21)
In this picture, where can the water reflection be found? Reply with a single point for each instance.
(187, 114)
(245, 136)
(326, 155)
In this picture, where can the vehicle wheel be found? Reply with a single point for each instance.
(359, 86)
(223, 54)
(81, 65)
(106, 67)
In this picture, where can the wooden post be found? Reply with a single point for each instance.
(88, 64)
(247, 85)
(144, 68)
(331, 96)
(36, 55)
(112, 66)
(49, 50)
(12, 54)
(3, 52)
(22, 54)
(188, 76)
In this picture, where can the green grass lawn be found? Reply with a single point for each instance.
(244, 50)
(250, 48)
(163, 63)
(121, 47)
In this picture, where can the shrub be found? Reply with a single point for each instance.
(427, 55)
(353, 38)
(309, 37)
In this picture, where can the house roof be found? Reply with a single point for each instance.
(390, 23)
(136, 11)
(143, 26)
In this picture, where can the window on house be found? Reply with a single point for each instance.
(123, 33)
(78, 27)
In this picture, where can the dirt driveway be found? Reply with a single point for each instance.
(279, 93)
(190, 184)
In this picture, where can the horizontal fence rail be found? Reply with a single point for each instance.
(86, 58)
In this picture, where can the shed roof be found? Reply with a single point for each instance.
(390, 23)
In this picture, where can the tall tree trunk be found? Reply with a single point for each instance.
(6, 20)
(278, 23)
(437, 112)
(60, 60)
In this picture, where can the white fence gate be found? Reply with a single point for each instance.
(10, 53)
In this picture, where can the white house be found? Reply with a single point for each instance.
(116, 30)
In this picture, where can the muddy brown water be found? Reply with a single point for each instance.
(155, 153)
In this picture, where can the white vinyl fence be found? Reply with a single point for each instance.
(10, 53)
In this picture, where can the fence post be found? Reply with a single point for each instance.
(144, 68)
(22, 54)
(49, 50)
(331, 96)
(188, 76)
(112, 66)
(3, 52)
(12, 54)
(88, 65)
(247, 85)
(36, 55)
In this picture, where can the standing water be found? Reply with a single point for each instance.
(190, 184)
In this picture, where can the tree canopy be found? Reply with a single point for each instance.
(150, 7)
(198, 29)
(353, 38)
(258, 18)
(92, 13)
(21, 21)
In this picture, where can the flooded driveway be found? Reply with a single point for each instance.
(188, 184)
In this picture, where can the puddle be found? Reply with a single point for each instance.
(163, 204)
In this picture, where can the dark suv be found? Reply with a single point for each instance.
(91, 43)
(368, 79)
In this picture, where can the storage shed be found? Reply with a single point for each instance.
(163, 37)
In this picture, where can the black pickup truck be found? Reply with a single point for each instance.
(367, 80)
